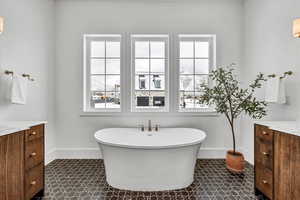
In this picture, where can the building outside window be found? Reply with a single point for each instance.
(102, 72)
(150, 62)
(196, 60)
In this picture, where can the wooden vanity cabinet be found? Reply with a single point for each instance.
(22, 164)
(277, 164)
(12, 166)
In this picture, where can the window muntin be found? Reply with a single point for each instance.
(196, 59)
(102, 72)
(150, 72)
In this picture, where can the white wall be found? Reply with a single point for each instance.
(77, 17)
(27, 46)
(257, 32)
(270, 48)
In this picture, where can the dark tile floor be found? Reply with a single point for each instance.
(85, 180)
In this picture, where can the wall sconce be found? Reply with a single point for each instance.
(296, 28)
(1, 24)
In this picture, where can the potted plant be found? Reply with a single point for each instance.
(230, 99)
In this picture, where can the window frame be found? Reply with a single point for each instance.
(172, 79)
(87, 92)
(150, 37)
(211, 39)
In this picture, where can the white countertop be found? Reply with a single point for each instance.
(8, 127)
(289, 127)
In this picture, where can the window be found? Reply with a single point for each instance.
(196, 59)
(109, 70)
(102, 72)
(150, 72)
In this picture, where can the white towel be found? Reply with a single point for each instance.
(19, 90)
(282, 95)
(5, 88)
(275, 91)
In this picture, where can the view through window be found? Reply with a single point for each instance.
(194, 64)
(150, 64)
(104, 60)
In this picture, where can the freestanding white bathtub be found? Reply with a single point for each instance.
(149, 161)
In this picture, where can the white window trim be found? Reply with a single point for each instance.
(126, 82)
(87, 39)
(152, 37)
(211, 38)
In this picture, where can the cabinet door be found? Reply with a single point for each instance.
(295, 167)
(287, 165)
(3, 150)
(12, 166)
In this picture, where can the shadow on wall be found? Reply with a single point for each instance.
(5, 88)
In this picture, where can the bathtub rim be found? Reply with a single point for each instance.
(152, 147)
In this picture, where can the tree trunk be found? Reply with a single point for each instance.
(233, 135)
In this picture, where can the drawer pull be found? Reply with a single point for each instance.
(265, 153)
(33, 133)
(32, 154)
(264, 182)
(33, 183)
(265, 133)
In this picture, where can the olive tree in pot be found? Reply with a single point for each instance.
(229, 98)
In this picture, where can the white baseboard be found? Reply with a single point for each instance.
(94, 153)
(212, 153)
(50, 156)
(78, 153)
(249, 157)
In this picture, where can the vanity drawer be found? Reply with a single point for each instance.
(34, 153)
(264, 180)
(34, 133)
(264, 134)
(264, 154)
(34, 181)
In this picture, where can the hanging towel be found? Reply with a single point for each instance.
(275, 91)
(19, 90)
(282, 95)
(5, 88)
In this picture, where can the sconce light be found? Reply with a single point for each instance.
(1, 24)
(296, 28)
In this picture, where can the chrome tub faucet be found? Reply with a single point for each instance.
(149, 126)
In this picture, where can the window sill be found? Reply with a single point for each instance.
(149, 110)
(197, 110)
(104, 111)
(150, 114)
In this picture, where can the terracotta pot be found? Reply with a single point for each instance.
(235, 162)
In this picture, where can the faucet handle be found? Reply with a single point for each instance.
(142, 127)
(156, 127)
